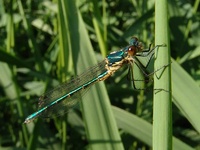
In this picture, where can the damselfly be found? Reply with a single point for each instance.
(67, 95)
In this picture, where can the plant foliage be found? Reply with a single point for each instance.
(45, 43)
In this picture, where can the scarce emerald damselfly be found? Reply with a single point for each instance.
(68, 94)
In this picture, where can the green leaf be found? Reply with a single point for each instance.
(186, 94)
(141, 129)
(162, 109)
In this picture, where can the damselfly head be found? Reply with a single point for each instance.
(135, 42)
(135, 46)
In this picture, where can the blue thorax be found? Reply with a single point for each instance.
(116, 56)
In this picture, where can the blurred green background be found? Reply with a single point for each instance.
(44, 43)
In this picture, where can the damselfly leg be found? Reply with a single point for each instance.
(140, 70)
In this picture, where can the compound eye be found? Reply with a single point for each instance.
(135, 39)
(132, 50)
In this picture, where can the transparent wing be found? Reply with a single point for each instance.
(64, 106)
(71, 100)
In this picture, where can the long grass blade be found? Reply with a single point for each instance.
(162, 115)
